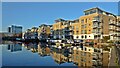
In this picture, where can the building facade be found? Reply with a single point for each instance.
(44, 32)
(93, 25)
(15, 30)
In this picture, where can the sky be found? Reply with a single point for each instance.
(29, 14)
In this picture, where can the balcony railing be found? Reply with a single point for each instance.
(95, 26)
(99, 26)
(117, 29)
(67, 25)
(111, 27)
(71, 33)
(94, 62)
(112, 33)
(118, 24)
(96, 20)
(118, 34)
(111, 23)
(95, 57)
(99, 62)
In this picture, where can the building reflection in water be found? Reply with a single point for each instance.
(31, 46)
(15, 47)
(61, 55)
(43, 49)
(78, 55)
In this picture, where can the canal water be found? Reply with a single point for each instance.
(32, 54)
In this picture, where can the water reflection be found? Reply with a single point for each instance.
(59, 55)
(15, 47)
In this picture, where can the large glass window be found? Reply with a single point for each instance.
(86, 13)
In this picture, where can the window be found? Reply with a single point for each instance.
(89, 24)
(77, 28)
(82, 36)
(82, 21)
(77, 52)
(89, 30)
(89, 49)
(77, 37)
(89, 36)
(89, 61)
(73, 32)
(77, 32)
(85, 26)
(85, 36)
(85, 49)
(86, 20)
(86, 13)
(77, 57)
(84, 54)
(82, 26)
(85, 31)
(72, 27)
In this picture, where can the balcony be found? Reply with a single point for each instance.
(96, 20)
(99, 33)
(70, 29)
(118, 34)
(118, 24)
(111, 27)
(95, 57)
(94, 62)
(112, 33)
(67, 30)
(118, 29)
(99, 27)
(99, 62)
(111, 23)
(71, 33)
(94, 32)
(95, 26)
(67, 25)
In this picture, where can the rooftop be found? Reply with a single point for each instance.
(100, 10)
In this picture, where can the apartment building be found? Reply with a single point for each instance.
(44, 31)
(30, 33)
(16, 30)
(118, 28)
(97, 23)
(34, 33)
(62, 30)
(94, 24)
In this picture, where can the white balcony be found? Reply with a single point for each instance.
(95, 26)
(70, 28)
(111, 27)
(67, 25)
(118, 34)
(117, 29)
(118, 24)
(112, 33)
(111, 23)
(71, 33)
(96, 20)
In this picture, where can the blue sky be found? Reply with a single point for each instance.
(29, 14)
